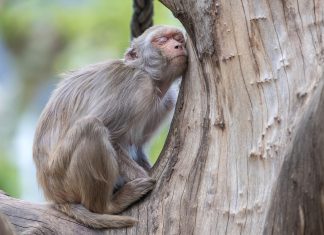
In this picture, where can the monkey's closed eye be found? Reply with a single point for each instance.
(161, 40)
(179, 38)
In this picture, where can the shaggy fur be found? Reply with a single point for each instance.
(91, 132)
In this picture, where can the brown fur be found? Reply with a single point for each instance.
(91, 132)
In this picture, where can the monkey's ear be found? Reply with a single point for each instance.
(131, 54)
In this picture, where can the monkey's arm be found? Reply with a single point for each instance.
(60, 159)
(128, 168)
(167, 104)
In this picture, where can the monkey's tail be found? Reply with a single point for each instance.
(94, 220)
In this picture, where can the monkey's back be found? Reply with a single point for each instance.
(116, 94)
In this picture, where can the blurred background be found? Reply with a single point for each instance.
(38, 40)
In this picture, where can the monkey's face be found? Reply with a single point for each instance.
(160, 51)
(170, 43)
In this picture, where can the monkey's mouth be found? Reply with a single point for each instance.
(179, 56)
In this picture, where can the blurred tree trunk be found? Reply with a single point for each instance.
(245, 153)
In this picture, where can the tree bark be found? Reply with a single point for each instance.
(245, 152)
(297, 202)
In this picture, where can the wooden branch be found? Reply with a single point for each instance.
(32, 218)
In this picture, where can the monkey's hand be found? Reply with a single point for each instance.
(142, 186)
(130, 193)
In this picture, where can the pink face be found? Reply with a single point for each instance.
(171, 43)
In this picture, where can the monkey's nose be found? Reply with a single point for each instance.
(179, 46)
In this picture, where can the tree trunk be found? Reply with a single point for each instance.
(245, 153)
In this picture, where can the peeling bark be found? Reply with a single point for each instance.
(244, 154)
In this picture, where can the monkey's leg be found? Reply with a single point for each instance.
(138, 182)
(94, 169)
(89, 175)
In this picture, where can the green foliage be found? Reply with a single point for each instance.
(157, 144)
(89, 28)
(9, 177)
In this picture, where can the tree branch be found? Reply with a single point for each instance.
(32, 218)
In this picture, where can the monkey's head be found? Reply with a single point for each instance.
(160, 51)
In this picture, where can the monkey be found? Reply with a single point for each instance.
(88, 143)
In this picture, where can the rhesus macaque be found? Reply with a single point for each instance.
(88, 143)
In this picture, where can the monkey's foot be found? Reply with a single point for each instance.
(141, 186)
(130, 193)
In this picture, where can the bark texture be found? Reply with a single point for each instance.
(297, 204)
(31, 218)
(245, 151)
